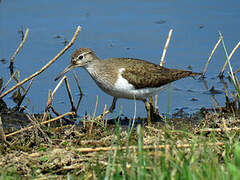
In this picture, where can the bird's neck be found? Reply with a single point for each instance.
(93, 67)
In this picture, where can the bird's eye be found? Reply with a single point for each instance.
(80, 57)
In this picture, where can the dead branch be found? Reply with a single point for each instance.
(17, 51)
(57, 114)
(46, 66)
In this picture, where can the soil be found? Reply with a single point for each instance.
(53, 151)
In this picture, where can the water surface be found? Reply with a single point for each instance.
(126, 28)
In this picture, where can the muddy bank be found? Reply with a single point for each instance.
(56, 152)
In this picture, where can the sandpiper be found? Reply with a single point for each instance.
(126, 77)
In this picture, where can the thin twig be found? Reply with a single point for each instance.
(78, 84)
(49, 101)
(210, 57)
(219, 129)
(228, 59)
(8, 82)
(70, 95)
(18, 80)
(58, 85)
(17, 51)
(50, 97)
(57, 114)
(46, 66)
(236, 71)
(79, 101)
(25, 93)
(86, 150)
(104, 111)
(45, 122)
(93, 117)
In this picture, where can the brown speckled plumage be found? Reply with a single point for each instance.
(142, 74)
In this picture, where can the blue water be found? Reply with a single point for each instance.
(137, 28)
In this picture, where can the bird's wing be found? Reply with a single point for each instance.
(152, 75)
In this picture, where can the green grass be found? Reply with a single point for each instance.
(199, 161)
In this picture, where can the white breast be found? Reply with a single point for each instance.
(122, 88)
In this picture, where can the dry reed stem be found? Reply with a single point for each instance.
(104, 110)
(49, 101)
(93, 116)
(46, 112)
(236, 71)
(58, 85)
(17, 81)
(165, 47)
(70, 94)
(79, 101)
(163, 58)
(17, 50)
(50, 95)
(25, 93)
(46, 66)
(102, 116)
(228, 59)
(87, 150)
(219, 129)
(57, 114)
(50, 98)
(42, 123)
(8, 82)
(77, 81)
(210, 57)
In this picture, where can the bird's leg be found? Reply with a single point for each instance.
(149, 109)
(150, 99)
(113, 104)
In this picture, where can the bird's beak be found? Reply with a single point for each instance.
(68, 68)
